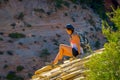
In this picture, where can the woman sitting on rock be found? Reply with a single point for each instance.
(65, 50)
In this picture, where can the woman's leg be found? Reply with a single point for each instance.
(64, 50)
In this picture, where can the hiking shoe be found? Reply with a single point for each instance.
(53, 65)
(72, 58)
(60, 62)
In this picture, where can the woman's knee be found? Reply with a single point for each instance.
(61, 45)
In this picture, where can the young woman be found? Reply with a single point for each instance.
(65, 50)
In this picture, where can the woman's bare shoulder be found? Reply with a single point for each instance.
(75, 36)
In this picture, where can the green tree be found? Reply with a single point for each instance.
(106, 66)
(45, 54)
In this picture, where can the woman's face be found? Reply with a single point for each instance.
(69, 31)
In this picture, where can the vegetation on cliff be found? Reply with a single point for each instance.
(106, 66)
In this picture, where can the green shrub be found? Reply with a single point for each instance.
(16, 35)
(65, 14)
(20, 43)
(1, 39)
(1, 33)
(67, 4)
(106, 66)
(97, 28)
(96, 5)
(28, 25)
(23, 29)
(45, 40)
(48, 13)
(75, 7)
(73, 19)
(74, 1)
(12, 76)
(20, 16)
(10, 41)
(30, 75)
(44, 53)
(1, 52)
(55, 42)
(86, 33)
(3, 1)
(84, 6)
(91, 21)
(33, 35)
(35, 42)
(58, 3)
(58, 35)
(5, 66)
(10, 52)
(19, 68)
(97, 44)
(20, 0)
(57, 27)
(13, 24)
(40, 16)
(91, 29)
(39, 10)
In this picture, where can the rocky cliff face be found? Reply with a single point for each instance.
(42, 22)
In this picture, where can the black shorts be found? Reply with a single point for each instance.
(74, 52)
